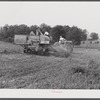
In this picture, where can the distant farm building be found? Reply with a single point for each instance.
(89, 40)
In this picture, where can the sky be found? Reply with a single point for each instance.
(85, 15)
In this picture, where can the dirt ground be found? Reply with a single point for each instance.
(18, 70)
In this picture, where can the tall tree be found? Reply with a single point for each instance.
(33, 28)
(83, 34)
(94, 36)
(44, 27)
(75, 35)
(56, 32)
(67, 30)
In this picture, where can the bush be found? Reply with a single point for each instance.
(10, 39)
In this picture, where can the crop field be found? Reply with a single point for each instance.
(88, 45)
(81, 70)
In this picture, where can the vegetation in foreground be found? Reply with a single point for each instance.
(78, 71)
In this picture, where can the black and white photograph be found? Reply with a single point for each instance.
(50, 45)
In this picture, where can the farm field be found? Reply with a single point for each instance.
(88, 45)
(81, 70)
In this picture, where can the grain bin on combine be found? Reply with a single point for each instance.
(33, 43)
(39, 43)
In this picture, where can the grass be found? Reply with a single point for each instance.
(87, 77)
(81, 70)
(9, 48)
(90, 46)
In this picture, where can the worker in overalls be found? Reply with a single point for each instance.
(61, 40)
(46, 33)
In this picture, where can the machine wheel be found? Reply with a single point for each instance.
(43, 50)
(46, 52)
(29, 51)
(68, 47)
(25, 50)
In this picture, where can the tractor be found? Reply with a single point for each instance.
(39, 43)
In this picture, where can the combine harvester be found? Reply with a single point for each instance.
(40, 44)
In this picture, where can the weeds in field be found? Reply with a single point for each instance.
(41, 72)
(8, 51)
(87, 77)
(61, 54)
(57, 75)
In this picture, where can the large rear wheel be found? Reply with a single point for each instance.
(68, 47)
(28, 51)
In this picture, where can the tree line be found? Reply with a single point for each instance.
(74, 34)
